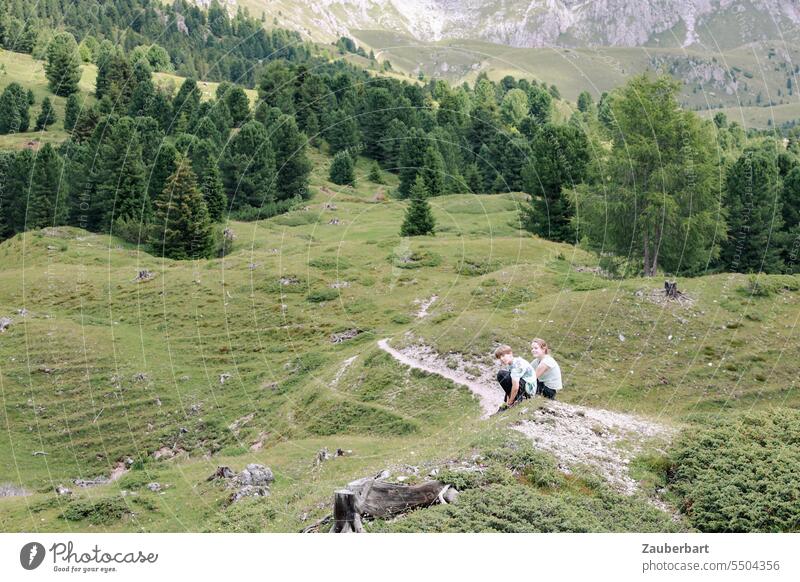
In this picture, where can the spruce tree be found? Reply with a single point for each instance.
(10, 119)
(412, 159)
(342, 169)
(46, 202)
(182, 228)
(71, 112)
(47, 115)
(291, 162)
(248, 167)
(122, 190)
(238, 105)
(419, 218)
(63, 68)
(163, 167)
(214, 193)
(433, 171)
(14, 105)
(754, 213)
(341, 131)
(375, 174)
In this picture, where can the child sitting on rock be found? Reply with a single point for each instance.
(546, 369)
(516, 377)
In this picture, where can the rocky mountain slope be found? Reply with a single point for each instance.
(540, 23)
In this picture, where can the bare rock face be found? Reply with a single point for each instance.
(254, 481)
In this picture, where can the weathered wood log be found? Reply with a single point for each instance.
(346, 517)
(381, 499)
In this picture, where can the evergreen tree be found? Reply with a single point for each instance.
(419, 218)
(292, 165)
(375, 121)
(754, 213)
(71, 112)
(342, 131)
(560, 155)
(214, 193)
(412, 159)
(63, 68)
(114, 78)
(342, 169)
(248, 167)
(541, 104)
(14, 105)
(182, 228)
(472, 178)
(433, 171)
(47, 116)
(46, 202)
(185, 104)
(238, 105)
(375, 174)
(162, 168)
(585, 102)
(122, 190)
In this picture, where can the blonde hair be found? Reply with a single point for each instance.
(542, 344)
(503, 350)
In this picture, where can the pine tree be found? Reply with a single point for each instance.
(47, 116)
(419, 218)
(10, 118)
(412, 159)
(63, 68)
(71, 112)
(472, 178)
(754, 213)
(46, 203)
(291, 162)
(341, 131)
(342, 169)
(433, 171)
(375, 174)
(214, 193)
(163, 167)
(14, 105)
(238, 105)
(182, 228)
(122, 190)
(248, 167)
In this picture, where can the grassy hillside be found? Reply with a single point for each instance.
(29, 73)
(102, 368)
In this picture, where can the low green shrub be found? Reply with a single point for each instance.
(740, 474)
(104, 511)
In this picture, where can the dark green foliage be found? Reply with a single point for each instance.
(102, 511)
(44, 200)
(238, 105)
(14, 115)
(122, 190)
(433, 172)
(214, 193)
(740, 474)
(248, 167)
(342, 169)
(375, 175)
(754, 213)
(585, 102)
(341, 131)
(62, 68)
(292, 165)
(181, 227)
(375, 121)
(47, 115)
(114, 77)
(419, 217)
(412, 159)
(540, 102)
(71, 112)
(522, 490)
(560, 154)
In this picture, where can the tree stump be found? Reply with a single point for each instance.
(346, 518)
(671, 289)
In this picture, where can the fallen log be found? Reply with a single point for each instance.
(346, 517)
(378, 498)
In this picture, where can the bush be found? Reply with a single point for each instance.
(322, 295)
(740, 475)
(103, 511)
(762, 285)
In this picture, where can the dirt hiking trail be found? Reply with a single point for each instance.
(577, 435)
